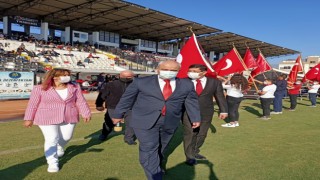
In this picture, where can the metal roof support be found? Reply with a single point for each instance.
(21, 7)
(66, 11)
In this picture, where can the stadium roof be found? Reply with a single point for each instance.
(223, 42)
(130, 20)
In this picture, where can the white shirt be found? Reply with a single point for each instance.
(232, 90)
(269, 89)
(314, 88)
(162, 83)
(203, 81)
(85, 84)
(63, 93)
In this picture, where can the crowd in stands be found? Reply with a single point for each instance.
(150, 60)
(48, 52)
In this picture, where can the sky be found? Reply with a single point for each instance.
(294, 24)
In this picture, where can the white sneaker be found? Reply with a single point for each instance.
(60, 151)
(237, 124)
(53, 168)
(228, 125)
(275, 112)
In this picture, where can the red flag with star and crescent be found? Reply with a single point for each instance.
(191, 54)
(313, 74)
(229, 64)
(297, 67)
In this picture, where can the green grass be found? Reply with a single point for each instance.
(285, 147)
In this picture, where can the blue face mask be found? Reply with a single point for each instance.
(168, 74)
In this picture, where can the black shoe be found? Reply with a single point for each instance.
(199, 156)
(131, 142)
(102, 137)
(191, 162)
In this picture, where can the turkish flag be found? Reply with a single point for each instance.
(190, 54)
(312, 74)
(249, 60)
(228, 64)
(297, 67)
(262, 67)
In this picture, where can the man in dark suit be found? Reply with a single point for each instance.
(111, 93)
(157, 102)
(207, 88)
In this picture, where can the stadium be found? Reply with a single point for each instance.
(90, 37)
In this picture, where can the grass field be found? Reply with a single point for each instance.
(285, 147)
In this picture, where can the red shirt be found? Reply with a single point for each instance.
(295, 90)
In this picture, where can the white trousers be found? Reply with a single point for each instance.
(54, 135)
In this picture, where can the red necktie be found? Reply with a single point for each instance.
(167, 91)
(199, 87)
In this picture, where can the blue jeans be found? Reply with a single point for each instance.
(313, 98)
(277, 102)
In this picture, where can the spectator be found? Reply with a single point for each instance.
(101, 79)
(79, 63)
(111, 94)
(313, 92)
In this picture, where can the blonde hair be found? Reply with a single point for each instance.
(48, 77)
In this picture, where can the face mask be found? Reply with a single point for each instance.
(126, 80)
(65, 79)
(298, 82)
(315, 83)
(168, 74)
(193, 75)
(265, 82)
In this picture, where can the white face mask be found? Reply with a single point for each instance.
(65, 79)
(315, 83)
(265, 82)
(168, 74)
(193, 75)
(298, 82)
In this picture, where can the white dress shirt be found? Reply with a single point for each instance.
(162, 83)
(203, 81)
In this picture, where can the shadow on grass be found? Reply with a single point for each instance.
(74, 150)
(21, 171)
(186, 172)
(253, 110)
(303, 104)
(176, 140)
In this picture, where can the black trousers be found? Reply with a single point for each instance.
(265, 105)
(233, 108)
(152, 143)
(193, 139)
(107, 126)
(293, 100)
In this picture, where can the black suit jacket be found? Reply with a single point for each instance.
(213, 88)
(145, 98)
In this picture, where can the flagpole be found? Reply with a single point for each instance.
(303, 70)
(190, 29)
(245, 66)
